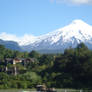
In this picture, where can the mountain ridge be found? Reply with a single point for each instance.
(11, 45)
(68, 36)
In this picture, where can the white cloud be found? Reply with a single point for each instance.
(26, 39)
(76, 2)
(6, 36)
(81, 1)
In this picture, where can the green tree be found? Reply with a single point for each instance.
(34, 54)
(46, 59)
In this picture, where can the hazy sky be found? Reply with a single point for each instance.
(38, 17)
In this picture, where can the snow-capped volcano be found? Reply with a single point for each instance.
(60, 39)
(69, 36)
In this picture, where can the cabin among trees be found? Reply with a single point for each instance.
(19, 60)
(71, 69)
(12, 64)
(12, 61)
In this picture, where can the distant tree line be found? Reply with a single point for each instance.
(71, 69)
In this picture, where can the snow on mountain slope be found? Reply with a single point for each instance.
(68, 36)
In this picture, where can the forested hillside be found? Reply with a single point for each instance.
(71, 69)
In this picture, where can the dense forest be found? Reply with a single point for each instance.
(71, 69)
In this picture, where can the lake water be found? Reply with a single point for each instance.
(33, 90)
(16, 90)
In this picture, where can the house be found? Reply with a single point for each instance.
(12, 61)
(28, 60)
(11, 66)
(32, 60)
(43, 88)
(16, 60)
(8, 61)
(19, 60)
(12, 69)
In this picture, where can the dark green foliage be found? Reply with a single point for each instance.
(46, 59)
(34, 54)
(75, 66)
(71, 69)
(2, 52)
